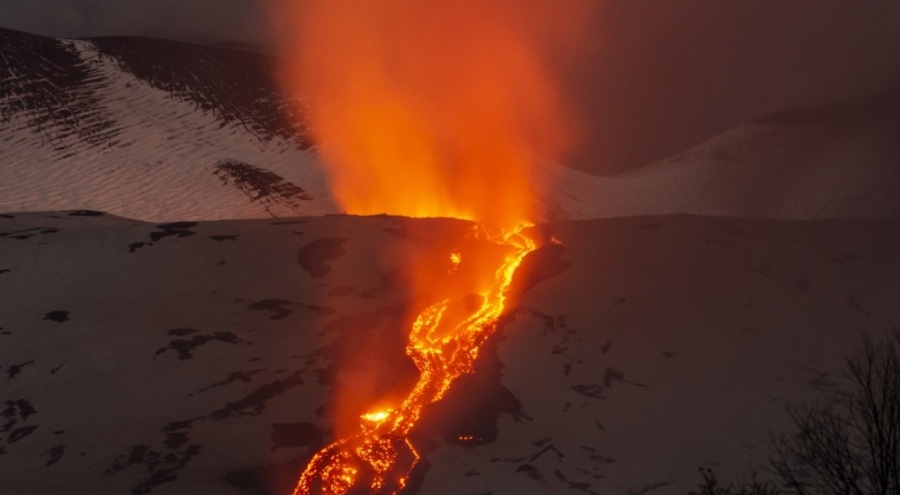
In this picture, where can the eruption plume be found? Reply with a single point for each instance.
(429, 108)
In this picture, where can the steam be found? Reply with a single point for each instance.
(431, 108)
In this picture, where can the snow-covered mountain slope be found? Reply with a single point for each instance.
(189, 358)
(828, 162)
(166, 131)
(149, 129)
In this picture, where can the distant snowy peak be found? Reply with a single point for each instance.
(834, 161)
(830, 161)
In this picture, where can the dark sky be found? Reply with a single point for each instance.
(196, 20)
(663, 75)
(657, 77)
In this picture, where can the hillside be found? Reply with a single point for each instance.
(204, 357)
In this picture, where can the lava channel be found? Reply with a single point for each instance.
(380, 458)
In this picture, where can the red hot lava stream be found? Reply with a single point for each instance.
(435, 109)
(380, 458)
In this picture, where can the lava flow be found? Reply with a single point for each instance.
(429, 108)
(380, 458)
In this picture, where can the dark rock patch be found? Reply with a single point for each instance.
(185, 348)
(161, 467)
(15, 411)
(288, 435)
(596, 390)
(175, 439)
(314, 257)
(136, 455)
(610, 376)
(260, 185)
(26, 234)
(58, 316)
(7, 215)
(279, 310)
(180, 332)
(224, 237)
(287, 222)
(547, 449)
(5, 270)
(592, 390)
(20, 433)
(15, 369)
(172, 229)
(176, 229)
(234, 376)
(531, 471)
(54, 454)
(276, 306)
(255, 402)
(85, 213)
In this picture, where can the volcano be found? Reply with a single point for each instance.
(180, 297)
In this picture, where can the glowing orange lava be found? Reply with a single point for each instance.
(428, 108)
(380, 458)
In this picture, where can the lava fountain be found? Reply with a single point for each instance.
(428, 108)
